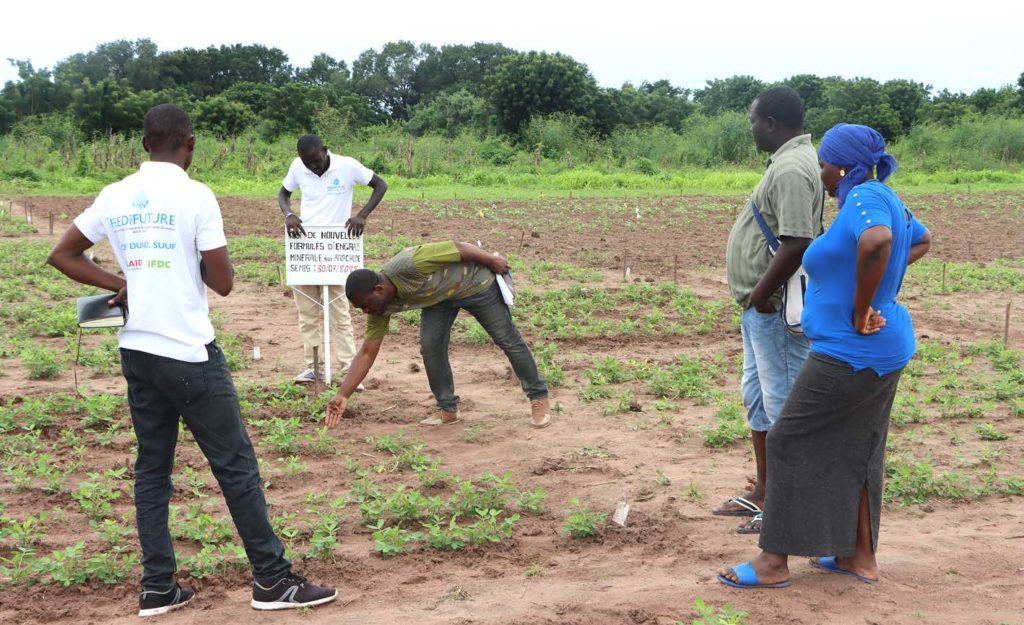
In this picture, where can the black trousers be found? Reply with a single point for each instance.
(160, 391)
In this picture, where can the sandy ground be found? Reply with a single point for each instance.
(940, 563)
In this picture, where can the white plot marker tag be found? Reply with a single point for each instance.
(256, 352)
(621, 512)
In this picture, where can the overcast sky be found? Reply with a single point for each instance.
(961, 46)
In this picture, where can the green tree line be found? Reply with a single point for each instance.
(486, 89)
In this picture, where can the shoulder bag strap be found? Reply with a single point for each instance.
(773, 241)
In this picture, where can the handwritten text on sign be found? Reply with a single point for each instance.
(324, 256)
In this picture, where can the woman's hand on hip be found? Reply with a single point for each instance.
(870, 322)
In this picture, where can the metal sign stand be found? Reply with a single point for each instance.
(342, 263)
(325, 303)
(327, 335)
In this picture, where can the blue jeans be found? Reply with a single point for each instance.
(160, 390)
(772, 357)
(491, 311)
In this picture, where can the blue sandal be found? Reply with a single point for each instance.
(748, 578)
(828, 564)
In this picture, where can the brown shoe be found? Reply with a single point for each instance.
(443, 417)
(541, 409)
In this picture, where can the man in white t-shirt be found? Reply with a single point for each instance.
(168, 238)
(327, 181)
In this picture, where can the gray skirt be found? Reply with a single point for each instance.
(824, 449)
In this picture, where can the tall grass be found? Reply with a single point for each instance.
(973, 144)
(555, 155)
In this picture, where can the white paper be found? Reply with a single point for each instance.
(621, 512)
(324, 256)
(506, 291)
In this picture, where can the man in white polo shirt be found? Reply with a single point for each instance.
(168, 238)
(327, 181)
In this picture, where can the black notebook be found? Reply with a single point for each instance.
(93, 312)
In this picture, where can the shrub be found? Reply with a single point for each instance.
(41, 362)
(497, 151)
(582, 522)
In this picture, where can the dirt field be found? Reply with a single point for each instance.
(950, 560)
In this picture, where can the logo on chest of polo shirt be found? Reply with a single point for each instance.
(335, 188)
(139, 263)
(141, 201)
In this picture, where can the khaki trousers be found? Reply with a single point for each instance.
(311, 317)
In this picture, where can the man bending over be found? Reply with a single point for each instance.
(441, 279)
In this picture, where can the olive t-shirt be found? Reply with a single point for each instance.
(426, 275)
(791, 199)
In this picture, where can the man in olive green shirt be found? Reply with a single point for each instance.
(790, 198)
(440, 278)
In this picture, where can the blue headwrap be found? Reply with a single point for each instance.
(857, 149)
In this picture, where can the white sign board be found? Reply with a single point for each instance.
(324, 256)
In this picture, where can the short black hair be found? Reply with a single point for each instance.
(308, 144)
(166, 127)
(782, 103)
(360, 281)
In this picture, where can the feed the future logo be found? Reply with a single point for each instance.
(139, 220)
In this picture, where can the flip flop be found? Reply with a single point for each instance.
(749, 527)
(749, 508)
(828, 564)
(748, 578)
(546, 421)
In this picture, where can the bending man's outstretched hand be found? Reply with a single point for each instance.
(335, 409)
(357, 372)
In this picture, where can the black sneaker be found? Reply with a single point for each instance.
(154, 602)
(291, 591)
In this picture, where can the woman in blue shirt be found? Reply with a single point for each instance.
(826, 450)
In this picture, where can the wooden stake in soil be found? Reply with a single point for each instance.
(675, 269)
(1006, 327)
(51, 222)
(943, 277)
(78, 357)
(625, 264)
(316, 370)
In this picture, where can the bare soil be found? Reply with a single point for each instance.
(940, 563)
